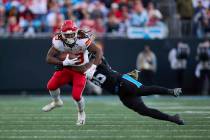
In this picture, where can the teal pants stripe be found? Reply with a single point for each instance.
(132, 80)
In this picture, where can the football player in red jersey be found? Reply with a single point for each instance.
(77, 44)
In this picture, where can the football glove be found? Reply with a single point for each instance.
(134, 74)
(69, 62)
(90, 72)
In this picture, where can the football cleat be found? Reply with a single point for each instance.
(81, 118)
(177, 92)
(52, 105)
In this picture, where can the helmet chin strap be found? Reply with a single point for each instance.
(69, 45)
(71, 41)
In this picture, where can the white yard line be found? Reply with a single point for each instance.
(95, 114)
(117, 136)
(89, 120)
(156, 106)
(133, 116)
(104, 130)
(104, 125)
(197, 112)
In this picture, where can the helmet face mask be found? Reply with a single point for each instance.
(69, 38)
(69, 33)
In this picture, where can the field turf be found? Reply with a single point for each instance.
(107, 119)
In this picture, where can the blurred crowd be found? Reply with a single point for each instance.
(198, 13)
(30, 17)
(202, 18)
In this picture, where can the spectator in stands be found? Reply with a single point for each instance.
(58, 22)
(147, 64)
(139, 16)
(123, 3)
(123, 12)
(87, 22)
(146, 2)
(185, 13)
(26, 19)
(51, 16)
(79, 10)
(198, 7)
(66, 7)
(42, 15)
(30, 31)
(99, 27)
(115, 11)
(184, 9)
(202, 71)
(201, 19)
(178, 61)
(200, 3)
(154, 15)
(99, 10)
(13, 26)
(37, 6)
(70, 14)
(124, 23)
(13, 12)
(206, 23)
(112, 25)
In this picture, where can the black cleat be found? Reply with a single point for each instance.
(177, 92)
(178, 120)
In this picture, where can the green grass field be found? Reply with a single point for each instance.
(107, 119)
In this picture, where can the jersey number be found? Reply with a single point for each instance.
(99, 79)
(80, 57)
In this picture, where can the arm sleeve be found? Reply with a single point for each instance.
(105, 62)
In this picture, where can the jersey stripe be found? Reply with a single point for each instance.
(88, 42)
(132, 80)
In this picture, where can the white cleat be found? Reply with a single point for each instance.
(52, 105)
(81, 118)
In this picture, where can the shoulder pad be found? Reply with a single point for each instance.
(57, 43)
(84, 43)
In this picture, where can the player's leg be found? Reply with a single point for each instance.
(149, 90)
(58, 79)
(157, 90)
(138, 106)
(79, 82)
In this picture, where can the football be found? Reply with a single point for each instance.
(62, 56)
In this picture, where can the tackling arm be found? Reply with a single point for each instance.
(98, 53)
(98, 56)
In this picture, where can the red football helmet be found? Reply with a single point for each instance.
(69, 32)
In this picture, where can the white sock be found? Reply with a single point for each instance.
(55, 94)
(80, 105)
